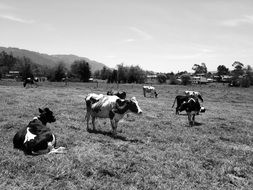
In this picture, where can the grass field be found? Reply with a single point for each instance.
(157, 150)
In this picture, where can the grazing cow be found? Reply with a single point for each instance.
(120, 94)
(151, 90)
(36, 138)
(65, 80)
(112, 107)
(31, 81)
(193, 93)
(180, 100)
(192, 108)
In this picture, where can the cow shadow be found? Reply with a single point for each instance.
(197, 123)
(117, 136)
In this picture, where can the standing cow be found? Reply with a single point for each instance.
(192, 108)
(151, 90)
(112, 107)
(31, 81)
(36, 138)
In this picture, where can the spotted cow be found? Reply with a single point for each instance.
(36, 138)
(112, 107)
(149, 90)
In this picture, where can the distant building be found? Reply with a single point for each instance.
(13, 75)
(151, 79)
(199, 79)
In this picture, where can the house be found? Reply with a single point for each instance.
(199, 79)
(151, 79)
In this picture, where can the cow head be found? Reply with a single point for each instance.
(128, 105)
(46, 116)
(202, 110)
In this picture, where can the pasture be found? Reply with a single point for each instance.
(157, 150)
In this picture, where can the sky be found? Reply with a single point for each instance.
(157, 35)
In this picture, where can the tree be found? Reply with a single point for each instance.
(105, 73)
(135, 74)
(222, 70)
(161, 78)
(122, 73)
(81, 69)
(26, 70)
(199, 69)
(238, 69)
(97, 74)
(59, 72)
(186, 79)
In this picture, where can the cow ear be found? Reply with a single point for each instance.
(40, 110)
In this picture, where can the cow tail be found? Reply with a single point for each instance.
(174, 102)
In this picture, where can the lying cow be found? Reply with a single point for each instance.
(193, 93)
(120, 94)
(36, 138)
(31, 81)
(192, 108)
(112, 107)
(151, 90)
(180, 100)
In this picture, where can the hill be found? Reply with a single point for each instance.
(51, 60)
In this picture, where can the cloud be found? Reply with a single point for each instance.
(16, 19)
(247, 19)
(142, 34)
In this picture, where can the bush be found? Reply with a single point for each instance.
(186, 79)
(245, 82)
(173, 80)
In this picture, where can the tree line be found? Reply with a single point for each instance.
(78, 71)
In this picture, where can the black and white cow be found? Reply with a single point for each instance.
(31, 81)
(112, 107)
(120, 94)
(192, 107)
(193, 93)
(151, 90)
(180, 99)
(36, 138)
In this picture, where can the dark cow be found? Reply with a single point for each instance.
(151, 90)
(36, 138)
(120, 94)
(112, 107)
(180, 100)
(31, 81)
(192, 107)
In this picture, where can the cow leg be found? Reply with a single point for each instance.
(190, 119)
(177, 112)
(88, 119)
(193, 119)
(93, 123)
(114, 126)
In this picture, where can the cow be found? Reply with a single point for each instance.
(120, 94)
(192, 108)
(112, 107)
(180, 100)
(193, 93)
(31, 81)
(151, 90)
(36, 138)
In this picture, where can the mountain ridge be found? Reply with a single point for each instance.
(51, 60)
